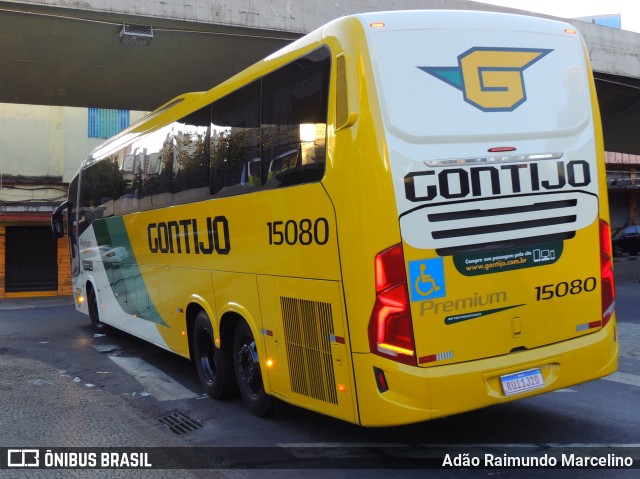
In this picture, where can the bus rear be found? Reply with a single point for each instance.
(501, 285)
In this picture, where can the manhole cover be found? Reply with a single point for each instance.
(180, 423)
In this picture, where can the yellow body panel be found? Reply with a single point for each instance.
(422, 394)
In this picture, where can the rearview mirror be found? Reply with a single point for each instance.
(57, 219)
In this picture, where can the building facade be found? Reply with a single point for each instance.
(41, 149)
(623, 183)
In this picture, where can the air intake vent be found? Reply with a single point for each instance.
(308, 327)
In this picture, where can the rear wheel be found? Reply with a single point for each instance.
(247, 366)
(214, 365)
(94, 310)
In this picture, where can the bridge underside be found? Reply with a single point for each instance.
(75, 58)
(619, 99)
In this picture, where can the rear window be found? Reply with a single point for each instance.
(447, 83)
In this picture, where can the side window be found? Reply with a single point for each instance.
(191, 157)
(294, 120)
(96, 195)
(127, 179)
(155, 152)
(235, 142)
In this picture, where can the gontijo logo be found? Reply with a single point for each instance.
(490, 79)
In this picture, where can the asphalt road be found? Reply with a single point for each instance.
(107, 390)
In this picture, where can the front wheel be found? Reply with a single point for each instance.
(214, 365)
(94, 311)
(247, 366)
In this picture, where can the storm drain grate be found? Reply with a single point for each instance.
(180, 423)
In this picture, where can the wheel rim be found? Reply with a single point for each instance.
(249, 369)
(206, 357)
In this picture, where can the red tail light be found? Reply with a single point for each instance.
(606, 273)
(390, 327)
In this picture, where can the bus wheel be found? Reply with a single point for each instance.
(245, 358)
(94, 311)
(214, 365)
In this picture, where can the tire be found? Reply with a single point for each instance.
(94, 311)
(618, 251)
(248, 375)
(214, 365)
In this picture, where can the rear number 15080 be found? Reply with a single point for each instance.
(559, 290)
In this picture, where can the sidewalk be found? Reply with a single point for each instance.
(37, 302)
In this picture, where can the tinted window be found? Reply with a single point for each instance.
(235, 142)
(191, 157)
(156, 168)
(269, 133)
(294, 120)
(96, 197)
(127, 171)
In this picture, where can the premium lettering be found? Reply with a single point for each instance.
(475, 301)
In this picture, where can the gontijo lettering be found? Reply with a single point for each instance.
(482, 181)
(183, 237)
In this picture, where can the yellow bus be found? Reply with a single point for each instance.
(398, 217)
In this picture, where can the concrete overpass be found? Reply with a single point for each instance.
(68, 52)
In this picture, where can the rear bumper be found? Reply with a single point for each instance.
(419, 394)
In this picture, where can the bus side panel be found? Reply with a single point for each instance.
(359, 183)
(108, 264)
(237, 294)
(186, 286)
(304, 335)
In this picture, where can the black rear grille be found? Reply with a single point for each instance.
(477, 213)
(499, 228)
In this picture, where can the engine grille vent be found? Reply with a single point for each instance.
(308, 327)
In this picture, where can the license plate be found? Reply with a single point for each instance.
(523, 381)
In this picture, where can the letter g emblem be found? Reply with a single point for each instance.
(491, 79)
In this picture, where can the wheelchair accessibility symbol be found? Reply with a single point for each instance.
(427, 279)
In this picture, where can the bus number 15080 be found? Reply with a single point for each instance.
(304, 232)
